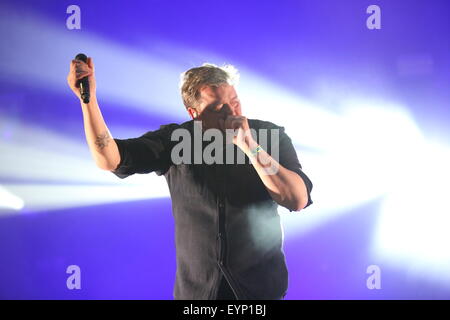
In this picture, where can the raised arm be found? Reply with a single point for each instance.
(103, 147)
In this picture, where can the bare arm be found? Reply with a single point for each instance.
(103, 147)
(285, 187)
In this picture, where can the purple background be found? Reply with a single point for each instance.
(126, 249)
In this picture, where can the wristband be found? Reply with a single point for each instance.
(255, 151)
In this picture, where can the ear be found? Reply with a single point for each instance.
(192, 112)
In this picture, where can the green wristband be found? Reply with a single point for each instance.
(256, 150)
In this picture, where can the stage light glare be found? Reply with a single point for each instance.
(412, 230)
(9, 201)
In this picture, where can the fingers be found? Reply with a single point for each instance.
(237, 123)
(90, 63)
(80, 75)
(81, 69)
(234, 122)
(81, 65)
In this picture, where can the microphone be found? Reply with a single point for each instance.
(83, 82)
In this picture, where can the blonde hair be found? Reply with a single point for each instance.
(192, 80)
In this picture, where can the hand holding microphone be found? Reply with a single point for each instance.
(242, 134)
(81, 78)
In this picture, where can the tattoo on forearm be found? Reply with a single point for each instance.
(102, 140)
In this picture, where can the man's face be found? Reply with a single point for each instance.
(216, 103)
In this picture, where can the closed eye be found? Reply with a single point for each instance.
(217, 107)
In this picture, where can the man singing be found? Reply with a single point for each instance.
(229, 240)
